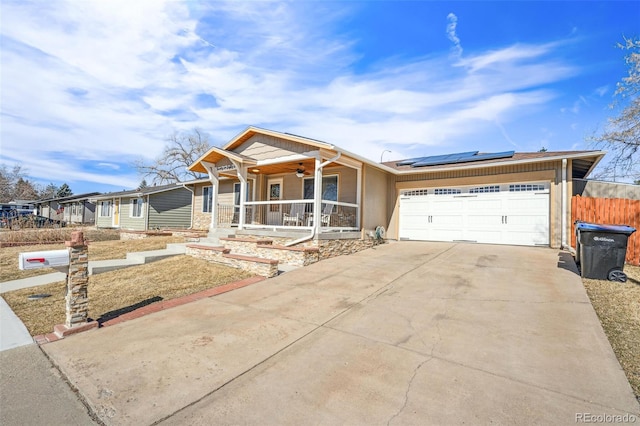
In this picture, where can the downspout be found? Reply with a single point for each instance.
(316, 210)
(563, 242)
(193, 195)
(146, 213)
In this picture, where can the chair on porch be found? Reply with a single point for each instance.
(325, 218)
(295, 215)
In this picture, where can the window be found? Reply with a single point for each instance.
(482, 189)
(416, 192)
(207, 199)
(136, 207)
(447, 191)
(526, 187)
(105, 209)
(329, 188)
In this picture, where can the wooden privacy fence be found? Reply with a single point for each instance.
(609, 211)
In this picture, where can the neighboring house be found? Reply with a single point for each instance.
(73, 209)
(264, 182)
(154, 207)
(601, 189)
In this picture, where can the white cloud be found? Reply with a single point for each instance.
(451, 34)
(106, 83)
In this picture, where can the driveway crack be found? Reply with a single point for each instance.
(406, 394)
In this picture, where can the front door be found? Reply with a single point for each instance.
(116, 212)
(274, 211)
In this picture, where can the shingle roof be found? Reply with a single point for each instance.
(518, 156)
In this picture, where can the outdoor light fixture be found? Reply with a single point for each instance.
(300, 170)
(255, 170)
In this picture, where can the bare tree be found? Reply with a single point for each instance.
(14, 184)
(622, 134)
(181, 150)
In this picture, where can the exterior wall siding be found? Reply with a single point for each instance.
(374, 200)
(170, 209)
(103, 221)
(128, 222)
(263, 147)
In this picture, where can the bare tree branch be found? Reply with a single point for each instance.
(181, 150)
(621, 136)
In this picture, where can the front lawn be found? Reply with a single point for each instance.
(119, 291)
(618, 307)
(98, 250)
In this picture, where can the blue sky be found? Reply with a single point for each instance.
(88, 87)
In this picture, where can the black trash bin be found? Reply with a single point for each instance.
(601, 250)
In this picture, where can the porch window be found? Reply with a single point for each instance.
(105, 209)
(207, 199)
(329, 188)
(136, 207)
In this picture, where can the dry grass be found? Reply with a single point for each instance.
(98, 250)
(116, 292)
(47, 235)
(618, 307)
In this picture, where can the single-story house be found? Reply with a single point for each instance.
(153, 207)
(263, 181)
(77, 209)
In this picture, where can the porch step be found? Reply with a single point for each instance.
(213, 237)
(257, 265)
(265, 248)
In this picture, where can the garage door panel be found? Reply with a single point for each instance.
(441, 205)
(540, 203)
(484, 220)
(481, 204)
(509, 217)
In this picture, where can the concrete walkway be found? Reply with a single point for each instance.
(405, 333)
(13, 333)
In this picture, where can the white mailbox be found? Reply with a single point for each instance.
(43, 259)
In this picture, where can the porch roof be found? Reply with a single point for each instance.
(216, 154)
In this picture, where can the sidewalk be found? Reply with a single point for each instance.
(13, 333)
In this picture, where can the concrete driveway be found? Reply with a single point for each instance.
(404, 333)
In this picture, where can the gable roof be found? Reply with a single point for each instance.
(67, 199)
(139, 192)
(583, 161)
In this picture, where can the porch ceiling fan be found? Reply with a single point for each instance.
(301, 171)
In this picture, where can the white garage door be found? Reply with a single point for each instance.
(496, 214)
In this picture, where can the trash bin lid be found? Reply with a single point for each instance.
(614, 229)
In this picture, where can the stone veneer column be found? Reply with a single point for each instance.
(77, 299)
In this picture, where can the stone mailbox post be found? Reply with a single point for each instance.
(77, 298)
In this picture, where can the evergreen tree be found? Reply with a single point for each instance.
(64, 191)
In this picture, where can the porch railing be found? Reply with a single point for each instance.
(290, 214)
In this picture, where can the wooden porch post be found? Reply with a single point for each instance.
(215, 184)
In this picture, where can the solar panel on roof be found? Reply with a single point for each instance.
(460, 157)
(413, 161)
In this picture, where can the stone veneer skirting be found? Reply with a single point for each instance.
(259, 266)
(201, 220)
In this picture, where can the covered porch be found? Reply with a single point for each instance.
(312, 192)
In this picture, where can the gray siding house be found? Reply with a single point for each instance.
(155, 207)
(74, 209)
